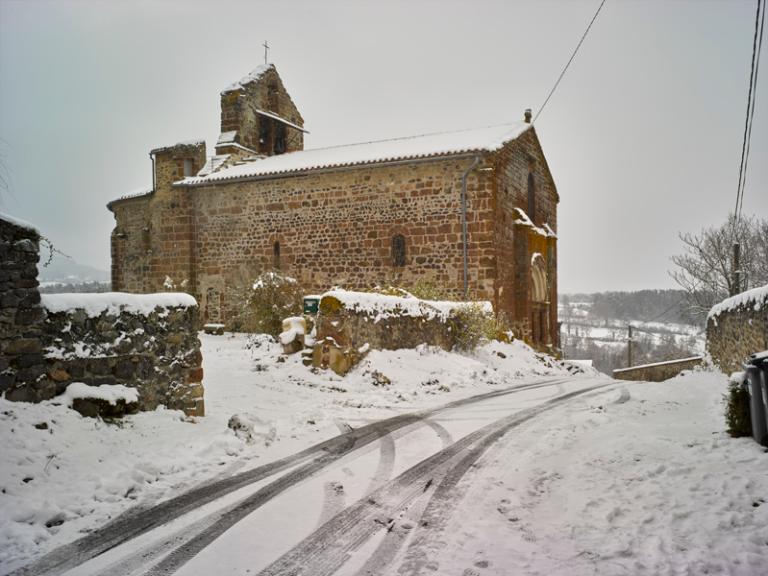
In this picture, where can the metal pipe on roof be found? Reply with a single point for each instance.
(464, 232)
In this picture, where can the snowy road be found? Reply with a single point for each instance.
(371, 500)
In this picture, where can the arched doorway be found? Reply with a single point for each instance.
(539, 300)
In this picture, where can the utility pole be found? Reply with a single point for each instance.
(629, 347)
(736, 269)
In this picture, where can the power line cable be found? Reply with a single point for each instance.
(739, 188)
(569, 61)
(752, 112)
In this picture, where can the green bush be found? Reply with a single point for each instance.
(271, 298)
(472, 325)
(737, 410)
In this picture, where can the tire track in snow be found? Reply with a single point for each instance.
(440, 507)
(386, 464)
(442, 433)
(134, 523)
(334, 497)
(328, 548)
(189, 549)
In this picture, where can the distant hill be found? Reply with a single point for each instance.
(65, 274)
(594, 327)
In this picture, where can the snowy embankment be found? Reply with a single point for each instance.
(62, 474)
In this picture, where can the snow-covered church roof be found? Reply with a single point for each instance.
(487, 139)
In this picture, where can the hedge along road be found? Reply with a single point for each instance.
(177, 535)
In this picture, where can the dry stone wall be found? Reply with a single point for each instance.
(21, 360)
(738, 327)
(147, 342)
(351, 323)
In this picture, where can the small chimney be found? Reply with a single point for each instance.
(528, 115)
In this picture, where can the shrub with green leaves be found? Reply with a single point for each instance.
(472, 325)
(271, 298)
(737, 410)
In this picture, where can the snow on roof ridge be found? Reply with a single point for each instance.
(487, 138)
(253, 75)
(137, 193)
(414, 136)
(226, 137)
(192, 142)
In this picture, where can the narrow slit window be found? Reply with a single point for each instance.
(531, 197)
(276, 255)
(398, 250)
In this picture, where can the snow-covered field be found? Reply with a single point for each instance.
(637, 479)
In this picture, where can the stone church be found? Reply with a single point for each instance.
(472, 211)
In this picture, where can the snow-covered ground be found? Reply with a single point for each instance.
(637, 478)
(62, 475)
(642, 481)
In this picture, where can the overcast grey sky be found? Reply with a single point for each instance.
(643, 136)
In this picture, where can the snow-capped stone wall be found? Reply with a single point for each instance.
(351, 323)
(21, 359)
(658, 371)
(738, 327)
(144, 341)
(147, 342)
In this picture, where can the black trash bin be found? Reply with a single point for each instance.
(757, 386)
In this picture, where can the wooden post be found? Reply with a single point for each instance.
(629, 347)
(736, 269)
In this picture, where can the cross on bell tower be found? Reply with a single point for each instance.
(266, 49)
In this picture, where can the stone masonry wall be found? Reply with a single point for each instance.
(44, 347)
(238, 112)
(21, 360)
(345, 331)
(153, 236)
(336, 229)
(157, 351)
(130, 246)
(737, 332)
(355, 329)
(516, 244)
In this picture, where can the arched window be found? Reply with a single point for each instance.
(398, 250)
(531, 197)
(539, 277)
(276, 255)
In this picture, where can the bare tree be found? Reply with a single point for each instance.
(705, 269)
